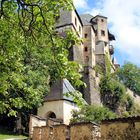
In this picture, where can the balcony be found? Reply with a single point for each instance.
(111, 49)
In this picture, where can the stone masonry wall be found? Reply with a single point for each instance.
(80, 131)
(58, 132)
(121, 129)
(115, 129)
(84, 131)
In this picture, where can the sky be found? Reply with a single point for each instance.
(123, 22)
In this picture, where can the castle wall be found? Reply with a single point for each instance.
(78, 54)
(121, 129)
(91, 92)
(89, 43)
(114, 129)
(79, 131)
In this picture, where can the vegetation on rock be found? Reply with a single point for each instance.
(113, 89)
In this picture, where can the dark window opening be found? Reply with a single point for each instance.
(57, 18)
(102, 20)
(95, 32)
(86, 49)
(102, 33)
(86, 35)
(87, 59)
(75, 21)
(52, 115)
(79, 29)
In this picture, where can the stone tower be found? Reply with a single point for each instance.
(96, 50)
(103, 37)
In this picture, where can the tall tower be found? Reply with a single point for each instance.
(101, 29)
(103, 49)
(90, 93)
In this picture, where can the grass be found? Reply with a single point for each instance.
(5, 134)
(8, 136)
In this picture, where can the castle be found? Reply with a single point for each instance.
(94, 50)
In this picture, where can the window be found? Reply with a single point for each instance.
(87, 59)
(102, 20)
(75, 21)
(95, 32)
(80, 29)
(102, 33)
(86, 49)
(51, 115)
(57, 18)
(86, 35)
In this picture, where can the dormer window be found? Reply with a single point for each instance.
(102, 33)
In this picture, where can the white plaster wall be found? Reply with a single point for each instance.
(61, 108)
(53, 106)
(68, 107)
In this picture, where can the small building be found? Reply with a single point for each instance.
(57, 104)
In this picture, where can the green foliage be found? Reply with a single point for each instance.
(114, 95)
(92, 113)
(32, 54)
(77, 97)
(129, 75)
(107, 65)
(98, 69)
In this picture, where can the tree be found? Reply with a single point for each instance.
(129, 75)
(32, 53)
(92, 113)
(112, 92)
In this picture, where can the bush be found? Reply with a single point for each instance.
(92, 113)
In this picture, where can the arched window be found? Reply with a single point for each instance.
(51, 115)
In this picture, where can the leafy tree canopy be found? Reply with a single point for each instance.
(32, 53)
(112, 92)
(129, 75)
